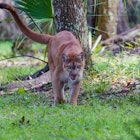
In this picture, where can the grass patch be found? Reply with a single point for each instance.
(27, 115)
(96, 119)
(111, 72)
(5, 48)
(9, 74)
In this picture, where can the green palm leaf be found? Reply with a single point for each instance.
(40, 14)
(37, 9)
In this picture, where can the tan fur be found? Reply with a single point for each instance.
(65, 57)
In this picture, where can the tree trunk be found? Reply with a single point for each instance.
(122, 18)
(70, 15)
(107, 22)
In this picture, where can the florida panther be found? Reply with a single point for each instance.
(65, 57)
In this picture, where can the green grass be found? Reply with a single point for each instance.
(96, 119)
(5, 48)
(111, 72)
(25, 115)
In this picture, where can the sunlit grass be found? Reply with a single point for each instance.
(108, 69)
(5, 49)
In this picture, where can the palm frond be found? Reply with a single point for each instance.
(37, 9)
(39, 12)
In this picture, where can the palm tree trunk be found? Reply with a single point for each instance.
(70, 15)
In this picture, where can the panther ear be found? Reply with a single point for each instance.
(64, 57)
(81, 56)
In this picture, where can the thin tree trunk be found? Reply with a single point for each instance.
(122, 18)
(107, 22)
(70, 15)
(92, 12)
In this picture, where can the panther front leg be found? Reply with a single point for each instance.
(74, 91)
(58, 90)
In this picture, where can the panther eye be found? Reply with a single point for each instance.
(69, 67)
(78, 66)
